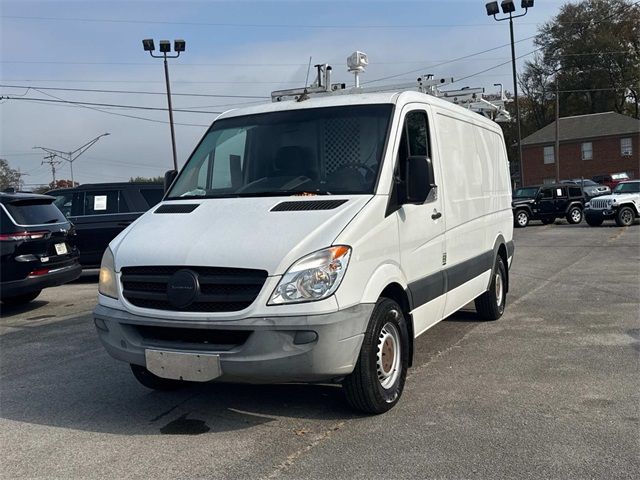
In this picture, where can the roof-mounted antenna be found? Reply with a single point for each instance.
(306, 80)
(356, 63)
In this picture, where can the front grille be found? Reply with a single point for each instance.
(209, 338)
(599, 204)
(221, 289)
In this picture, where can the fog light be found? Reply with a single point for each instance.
(305, 336)
(100, 325)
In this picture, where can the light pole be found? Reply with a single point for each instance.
(508, 8)
(73, 155)
(165, 48)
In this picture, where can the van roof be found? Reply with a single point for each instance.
(348, 97)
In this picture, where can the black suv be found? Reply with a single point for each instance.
(547, 203)
(37, 247)
(100, 211)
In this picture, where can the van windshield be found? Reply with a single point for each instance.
(321, 151)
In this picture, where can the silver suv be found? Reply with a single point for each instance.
(623, 205)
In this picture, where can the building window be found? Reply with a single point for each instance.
(587, 151)
(549, 156)
(626, 150)
(549, 181)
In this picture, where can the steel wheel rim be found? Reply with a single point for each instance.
(626, 216)
(576, 215)
(388, 354)
(499, 289)
(522, 218)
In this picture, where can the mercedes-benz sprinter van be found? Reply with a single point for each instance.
(313, 241)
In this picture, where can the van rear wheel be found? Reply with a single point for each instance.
(154, 382)
(490, 305)
(377, 382)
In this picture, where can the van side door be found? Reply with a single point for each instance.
(420, 226)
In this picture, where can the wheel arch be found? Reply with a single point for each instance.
(500, 249)
(389, 281)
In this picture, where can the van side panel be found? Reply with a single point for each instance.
(475, 197)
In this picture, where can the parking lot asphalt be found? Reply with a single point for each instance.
(551, 390)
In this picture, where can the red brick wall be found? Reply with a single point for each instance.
(606, 160)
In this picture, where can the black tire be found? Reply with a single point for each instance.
(548, 221)
(488, 305)
(521, 218)
(154, 382)
(594, 221)
(20, 299)
(625, 216)
(574, 215)
(365, 387)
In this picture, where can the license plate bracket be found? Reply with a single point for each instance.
(189, 366)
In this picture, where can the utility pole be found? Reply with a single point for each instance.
(73, 155)
(53, 163)
(557, 152)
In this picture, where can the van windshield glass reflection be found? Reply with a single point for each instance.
(323, 151)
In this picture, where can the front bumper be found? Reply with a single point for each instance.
(55, 277)
(309, 348)
(599, 213)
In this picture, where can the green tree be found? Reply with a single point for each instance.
(9, 177)
(147, 179)
(592, 49)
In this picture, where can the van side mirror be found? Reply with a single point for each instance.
(169, 177)
(419, 180)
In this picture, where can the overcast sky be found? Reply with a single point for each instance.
(233, 48)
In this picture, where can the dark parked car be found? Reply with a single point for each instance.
(37, 247)
(547, 203)
(100, 211)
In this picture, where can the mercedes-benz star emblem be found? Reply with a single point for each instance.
(183, 288)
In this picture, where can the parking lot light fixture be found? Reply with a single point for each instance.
(492, 8)
(165, 48)
(508, 7)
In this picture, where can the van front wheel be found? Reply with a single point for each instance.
(377, 382)
(490, 305)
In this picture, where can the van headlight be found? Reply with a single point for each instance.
(314, 277)
(107, 284)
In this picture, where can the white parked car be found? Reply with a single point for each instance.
(313, 241)
(623, 205)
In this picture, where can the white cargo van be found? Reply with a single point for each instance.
(313, 241)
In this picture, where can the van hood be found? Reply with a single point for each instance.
(235, 232)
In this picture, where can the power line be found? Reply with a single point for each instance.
(262, 65)
(247, 25)
(448, 61)
(263, 25)
(134, 92)
(115, 105)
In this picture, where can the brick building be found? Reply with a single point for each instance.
(596, 144)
